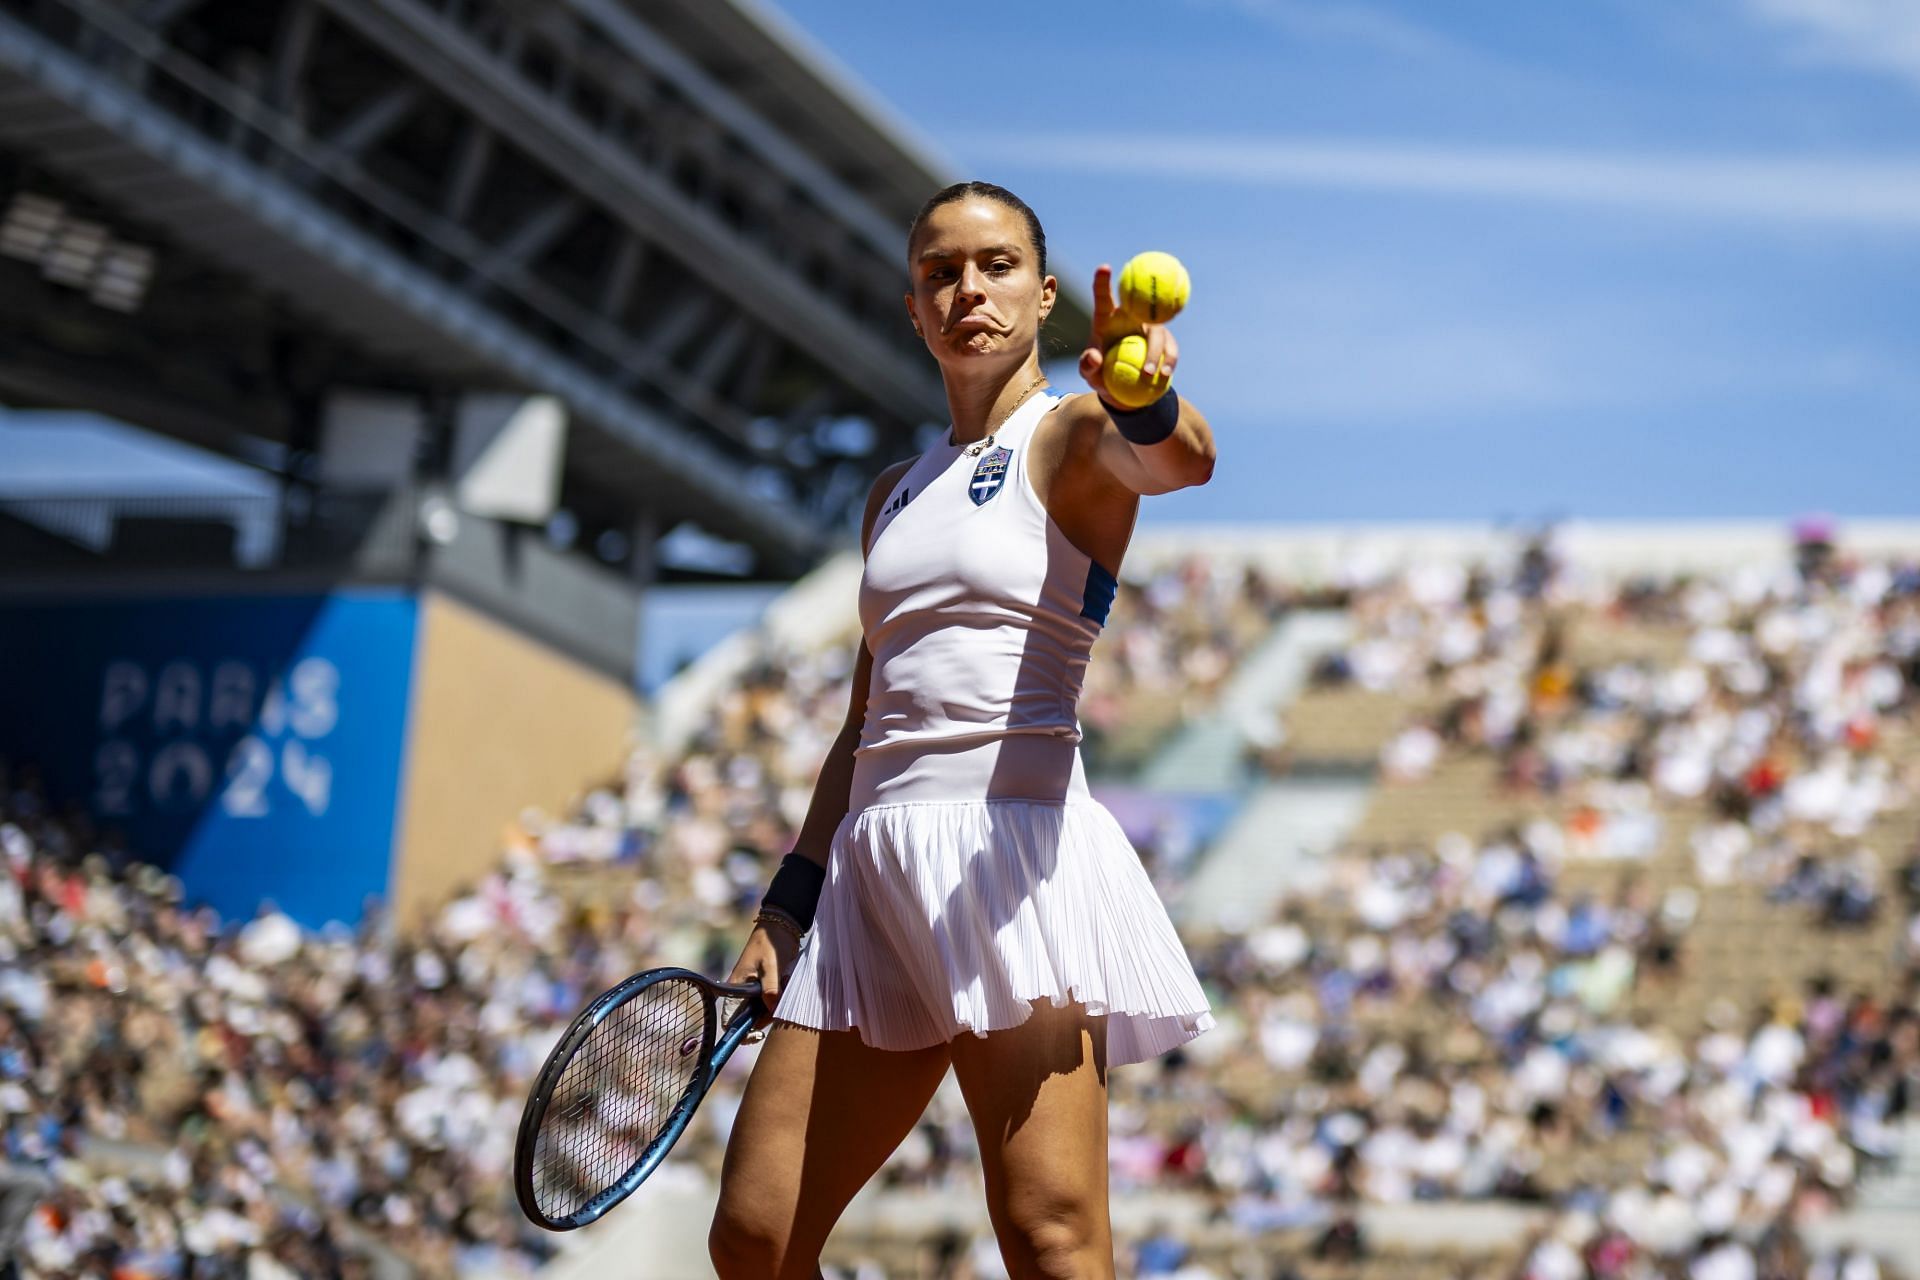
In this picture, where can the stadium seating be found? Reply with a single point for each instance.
(1532, 975)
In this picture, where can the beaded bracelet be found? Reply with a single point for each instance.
(780, 920)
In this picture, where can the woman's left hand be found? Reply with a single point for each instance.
(1110, 324)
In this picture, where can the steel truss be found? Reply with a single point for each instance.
(499, 192)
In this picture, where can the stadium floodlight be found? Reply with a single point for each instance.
(30, 226)
(77, 253)
(120, 284)
(74, 255)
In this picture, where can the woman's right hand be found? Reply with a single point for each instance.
(766, 959)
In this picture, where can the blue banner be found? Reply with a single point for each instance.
(251, 745)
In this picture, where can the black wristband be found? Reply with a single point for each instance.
(1149, 424)
(796, 888)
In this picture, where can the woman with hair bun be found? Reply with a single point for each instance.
(956, 898)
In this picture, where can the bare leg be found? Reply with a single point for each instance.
(822, 1112)
(1038, 1096)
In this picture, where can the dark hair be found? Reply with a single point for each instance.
(984, 191)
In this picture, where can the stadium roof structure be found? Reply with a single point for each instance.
(679, 217)
(775, 67)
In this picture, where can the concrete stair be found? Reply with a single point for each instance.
(1897, 1188)
(1278, 843)
(1209, 753)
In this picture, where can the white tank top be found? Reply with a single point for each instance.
(978, 612)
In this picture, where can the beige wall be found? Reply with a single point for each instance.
(498, 722)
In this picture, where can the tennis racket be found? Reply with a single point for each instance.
(618, 1090)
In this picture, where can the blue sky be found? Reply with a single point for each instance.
(1486, 259)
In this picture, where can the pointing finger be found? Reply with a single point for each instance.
(1102, 301)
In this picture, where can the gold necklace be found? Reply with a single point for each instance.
(979, 447)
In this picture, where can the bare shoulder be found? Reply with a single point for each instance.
(1076, 422)
(882, 486)
(1066, 450)
(1085, 407)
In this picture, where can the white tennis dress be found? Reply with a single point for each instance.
(974, 874)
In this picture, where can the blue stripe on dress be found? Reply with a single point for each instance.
(1097, 598)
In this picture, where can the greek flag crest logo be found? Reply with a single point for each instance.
(989, 475)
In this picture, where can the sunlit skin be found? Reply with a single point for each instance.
(978, 301)
(822, 1110)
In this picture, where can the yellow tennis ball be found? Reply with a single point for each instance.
(1127, 385)
(1153, 287)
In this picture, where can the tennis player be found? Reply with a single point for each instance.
(956, 898)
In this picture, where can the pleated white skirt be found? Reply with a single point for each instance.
(948, 915)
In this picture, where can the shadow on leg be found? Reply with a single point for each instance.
(1038, 1097)
(821, 1113)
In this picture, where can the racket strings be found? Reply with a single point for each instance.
(617, 1093)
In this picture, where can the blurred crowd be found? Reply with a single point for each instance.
(1770, 705)
(240, 1098)
(244, 1098)
(1444, 1019)
(1172, 640)
(1447, 1025)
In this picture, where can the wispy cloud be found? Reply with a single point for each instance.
(1384, 370)
(1866, 192)
(1340, 22)
(1883, 34)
